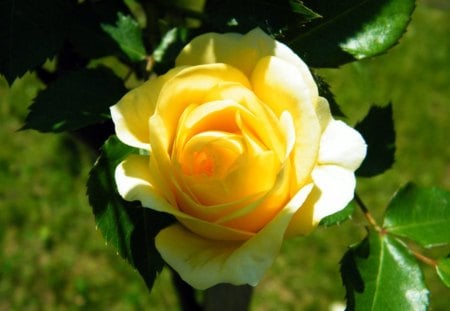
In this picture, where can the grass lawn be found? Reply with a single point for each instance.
(53, 258)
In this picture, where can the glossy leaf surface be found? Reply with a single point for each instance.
(420, 214)
(380, 274)
(351, 30)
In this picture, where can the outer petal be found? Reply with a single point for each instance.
(235, 49)
(333, 190)
(204, 263)
(131, 114)
(337, 186)
(342, 145)
(240, 51)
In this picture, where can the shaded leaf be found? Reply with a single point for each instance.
(420, 214)
(75, 100)
(350, 30)
(128, 36)
(30, 33)
(339, 217)
(377, 128)
(85, 32)
(129, 228)
(380, 274)
(169, 48)
(325, 91)
(274, 17)
(443, 270)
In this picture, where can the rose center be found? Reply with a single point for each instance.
(203, 163)
(211, 154)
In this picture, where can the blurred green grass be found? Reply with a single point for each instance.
(53, 258)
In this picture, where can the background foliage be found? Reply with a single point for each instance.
(52, 256)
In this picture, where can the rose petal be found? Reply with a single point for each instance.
(131, 114)
(240, 51)
(204, 263)
(323, 112)
(333, 190)
(135, 181)
(190, 86)
(342, 145)
(281, 86)
(337, 186)
(261, 121)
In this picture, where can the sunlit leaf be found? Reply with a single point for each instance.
(75, 100)
(420, 214)
(377, 128)
(129, 228)
(339, 217)
(351, 29)
(298, 7)
(380, 274)
(30, 32)
(443, 270)
(128, 36)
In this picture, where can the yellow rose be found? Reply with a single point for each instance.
(242, 151)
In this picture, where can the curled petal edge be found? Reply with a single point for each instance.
(204, 263)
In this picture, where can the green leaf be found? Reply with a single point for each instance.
(420, 214)
(30, 32)
(351, 29)
(377, 128)
(129, 228)
(443, 270)
(75, 100)
(339, 217)
(169, 48)
(274, 17)
(128, 35)
(298, 7)
(380, 274)
(325, 91)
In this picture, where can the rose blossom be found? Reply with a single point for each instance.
(242, 151)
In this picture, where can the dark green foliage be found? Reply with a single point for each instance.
(171, 44)
(377, 128)
(75, 100)
(30, 33)
(129, 228)
(325, 91)
(85, 33)
(275, 17)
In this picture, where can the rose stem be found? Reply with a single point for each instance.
(367, 214)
